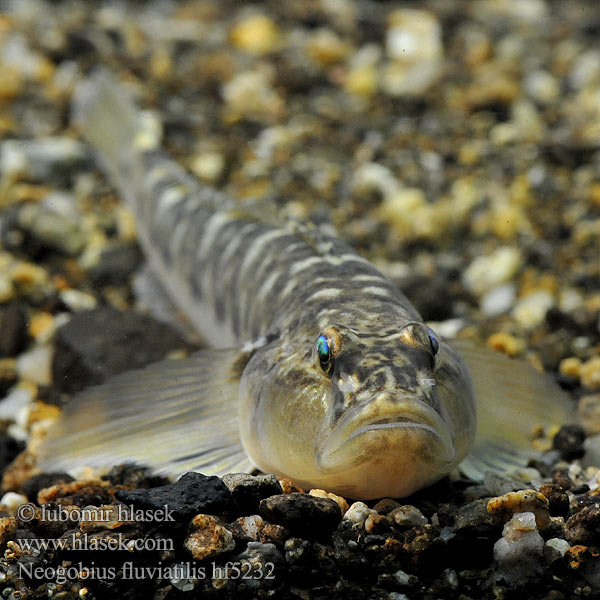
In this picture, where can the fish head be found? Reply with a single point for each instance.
(359, 414)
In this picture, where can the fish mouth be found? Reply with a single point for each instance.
(383, 420)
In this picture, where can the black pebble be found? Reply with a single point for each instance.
(9, 448)
(302, 514)
(192, 494)
(14, 336)
(99, 343)
(116, 265)
(569, 442)
(33, 485)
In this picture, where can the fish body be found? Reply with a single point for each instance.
(321, 369)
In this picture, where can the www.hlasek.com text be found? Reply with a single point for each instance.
(82, 541)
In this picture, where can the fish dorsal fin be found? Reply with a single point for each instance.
(175, 416)
(512, 399)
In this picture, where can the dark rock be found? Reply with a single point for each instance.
(36, 483)
(302, 513)
(102, 342)
(569, 441)
(557, 499)
(14, 335)
(249, 490)
(9, 448)
(561, 478)
(583, 528)
(116, 265)
(192, 494)
(475, 532)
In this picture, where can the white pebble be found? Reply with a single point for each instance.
(498, 300)
(77, 300)
(518, 553)
(531, 310)
(358, 513)
(569, 300)
(16, 400)
(487, 272)
(36, 365)
(556, 546)
(12, 500)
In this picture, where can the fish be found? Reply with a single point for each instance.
(317, 367)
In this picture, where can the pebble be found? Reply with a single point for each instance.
(523, 501)
(249, 490)
(183, 579)
(208, 538)
(191, 494)
(115, 263)
(7, 289)
(506, 343)
(12, 501)
(588, 410)
(77, 300)
(256, 34)
(42, 326)
(358, 513)
(208, 166)
(17, 400)
(247, 528)
(36, 364)
(570, 366)
(325, 47)
(498, 300)
(341, 502)
(558, 500)
(386, 506)
(554, 549)
(102, 342)
(487, 272)
(519, 552)
(414, 47)
(530, 310)
(55, 223)
(589, 373)
(584, 527)
(408, 516)
(251, 94)
(302, 513)
(569, 441)
(8, 525)
(13, 328)
(35, 484)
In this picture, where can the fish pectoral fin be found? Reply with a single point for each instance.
(174, 416)
(512, 399)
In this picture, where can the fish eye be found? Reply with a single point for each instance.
(434, 342)
(325, 354)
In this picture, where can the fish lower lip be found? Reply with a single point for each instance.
(418, 416)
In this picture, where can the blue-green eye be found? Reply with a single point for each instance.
(325, 354)
(434, 343)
